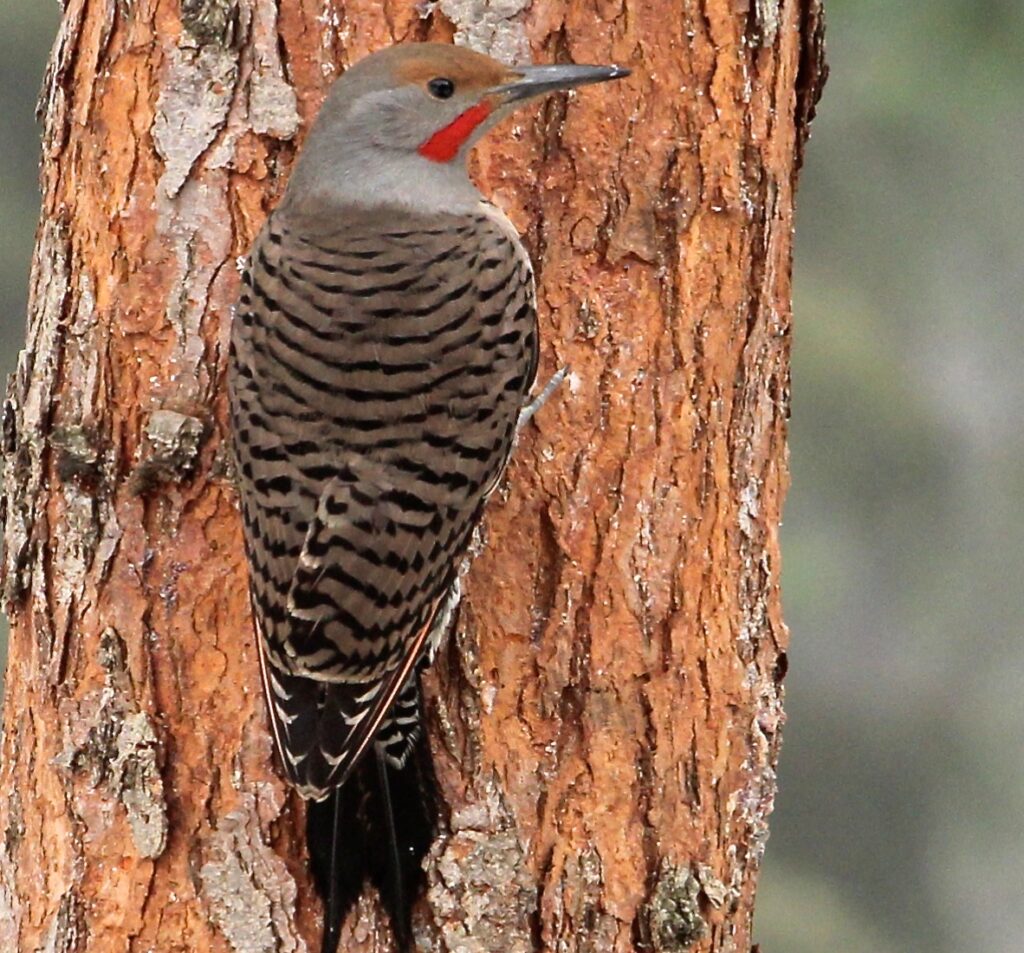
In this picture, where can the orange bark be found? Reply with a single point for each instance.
(606, 721)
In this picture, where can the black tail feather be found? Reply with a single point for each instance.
(337, 846)
(396, 878)
(378, 826)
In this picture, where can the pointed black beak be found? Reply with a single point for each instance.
(537, 80)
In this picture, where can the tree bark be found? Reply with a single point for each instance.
(606, 720)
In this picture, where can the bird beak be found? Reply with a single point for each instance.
(533, 81)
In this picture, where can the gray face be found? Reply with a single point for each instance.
(395, 100)
(404, 117)
(369, 143)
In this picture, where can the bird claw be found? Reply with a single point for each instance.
(542, 398)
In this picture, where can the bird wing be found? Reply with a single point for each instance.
(322, 730)
(372, 627)
(376, 378)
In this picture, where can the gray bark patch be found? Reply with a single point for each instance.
(480, 891)
(114, 744)
(169, 451)
(66, 932)
(273, 109)
(27, 411)
(136, 777)
(766, 15)
(248, 892)
(494, 27)
(195, 97)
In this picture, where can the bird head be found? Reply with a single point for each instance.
(409, 107)
(437, 100)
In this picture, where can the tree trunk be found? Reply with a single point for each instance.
(606, 721)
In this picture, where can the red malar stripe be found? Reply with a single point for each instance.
(444, 145)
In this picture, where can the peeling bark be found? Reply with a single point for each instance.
(606, 720)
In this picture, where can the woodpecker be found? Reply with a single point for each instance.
(383, 351)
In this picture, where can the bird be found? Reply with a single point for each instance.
(383, 352)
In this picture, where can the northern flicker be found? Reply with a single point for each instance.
(382, 353)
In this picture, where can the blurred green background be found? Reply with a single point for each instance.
(900, 822)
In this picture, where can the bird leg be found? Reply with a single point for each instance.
(542, 398)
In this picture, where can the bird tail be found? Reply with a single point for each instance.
(378, 826)
(337, 863)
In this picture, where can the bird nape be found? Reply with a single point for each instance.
(383, 349)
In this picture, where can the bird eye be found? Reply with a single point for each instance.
(441, 88)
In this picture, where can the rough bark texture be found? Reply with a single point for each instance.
(606, 722)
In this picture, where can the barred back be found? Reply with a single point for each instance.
(379, 363)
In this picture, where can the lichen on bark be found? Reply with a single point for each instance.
(210, 21)
(674, 921)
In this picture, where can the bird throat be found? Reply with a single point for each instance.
(444, 145)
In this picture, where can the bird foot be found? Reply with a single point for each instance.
(542, 398)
